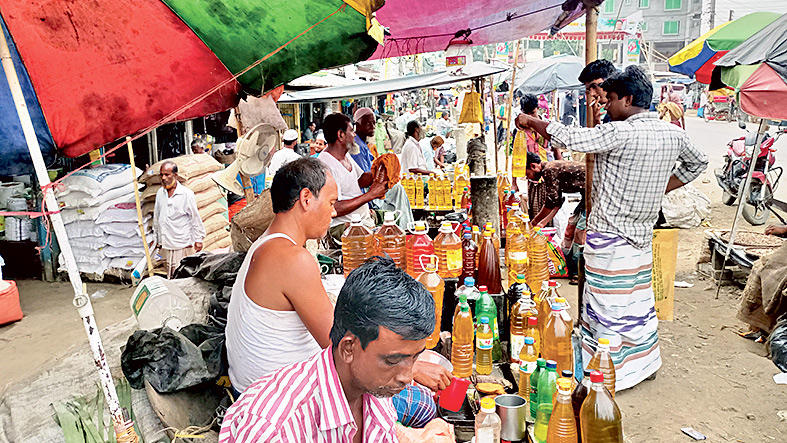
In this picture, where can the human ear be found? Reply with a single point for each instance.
(305, 197)
(346, 346)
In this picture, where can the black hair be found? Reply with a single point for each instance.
(411, 127)
(171, 164)
(290, 179)
(602, 69)
(334, 123)
(289, 143)
(532, 159)
(312, 123)
(378, 294)
(528, 103)
(631, 82)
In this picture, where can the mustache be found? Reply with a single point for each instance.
(354, 149)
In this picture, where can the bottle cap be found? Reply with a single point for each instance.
(596, 377)
(552, 284)
(476, 229)
(420, 226)
(536, 229)
(541, 363)
(520, 278)
(355, 219)
(484, 320)
(389, 217)
(488, 404)
(564, 384)
(567, 374)
(560, 300)
(529, 340)
(468, 228)
(462, 298)
(464, 308)
(551, 364)
(466, 188)
(467, 235)
(469, 281)
(515, 204)
(488, 225)
(483, 288)
(532, 321)
(603, 341)
(487, 234)
(557, 307)
(446, 227)
(492, 230)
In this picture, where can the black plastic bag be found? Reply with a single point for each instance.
(777, 342)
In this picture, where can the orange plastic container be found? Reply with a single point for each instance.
(448, 247)
(10, 310)
(436, 286)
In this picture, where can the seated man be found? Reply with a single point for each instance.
(350, 178)
(279, 312)
(413, 159)
(765, 296)
(343, 393)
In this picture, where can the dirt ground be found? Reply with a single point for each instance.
(711, 379)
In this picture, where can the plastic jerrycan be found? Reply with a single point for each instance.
(418, 244)
(357, 245)
(158, 302)
(463, 346)
(436, 286)
(448, 248)
(391, 239)
(557, 344)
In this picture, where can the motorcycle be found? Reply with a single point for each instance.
(765, 178)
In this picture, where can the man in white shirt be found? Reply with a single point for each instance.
(413, 159)
(176, 222)
(285, 154)
(350, 178)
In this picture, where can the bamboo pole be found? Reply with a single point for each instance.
(510, 103)
(81, 301)
(494, 126)
(139, 207)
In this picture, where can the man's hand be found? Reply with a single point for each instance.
(779, 231)
(378, 189)
(522, 121)
(198, 246)
(431, 375)
(596, 107)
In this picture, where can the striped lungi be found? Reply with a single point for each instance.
(619, 306)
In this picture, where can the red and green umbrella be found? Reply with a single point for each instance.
(94, 71)
(757, 70)
(697, 58)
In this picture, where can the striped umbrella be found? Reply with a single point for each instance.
(697, 58)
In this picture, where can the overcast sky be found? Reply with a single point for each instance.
(743, 7)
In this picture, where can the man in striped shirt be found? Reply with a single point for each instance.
(343, 394)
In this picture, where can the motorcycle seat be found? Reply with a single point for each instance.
(738, 147)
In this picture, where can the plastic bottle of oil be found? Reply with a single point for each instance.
(390, 239)
(541, 366)
(527, 366)
(408, 183)
(436, 286)
(357, 244)
(478, 238)
(460, 186)
(516, 253)
(602, 362)
(483, 349)
(578, 397)
(418, 244)
(495, 237)
(448, 247)
(419, 193)
(534, 331)
(462, 346)
(511, 223)
(487, 423)
(566, 315)
(466, 199)
(489, 265)
(519, 154)
(504, 212)
(538, 259)
(562, 425)
(518, 317)
(599, 417)
(546, 388)
(469, 254)
(557, 340)
(543, 304)
(448, 198)
(434, 194)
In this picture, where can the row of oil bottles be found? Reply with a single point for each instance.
(437, 191)
(564, 410)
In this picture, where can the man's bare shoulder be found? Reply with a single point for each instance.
(280, 255)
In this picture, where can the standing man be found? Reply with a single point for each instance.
(350, 178)
(593, 75)
(284, 155)
(364, 130)
(413, 159)
(636, 156)
(308, 133)
(176, 222)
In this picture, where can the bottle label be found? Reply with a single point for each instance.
(485, 435)
(453, 258)
(528, 366)
(494, 328)
(484, 343)
(565, 316)
(519, 258)
(517, 341)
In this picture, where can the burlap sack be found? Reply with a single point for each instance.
(189, 167)
(215, 222)
(251, 222)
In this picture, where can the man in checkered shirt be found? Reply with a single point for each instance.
(638, 159)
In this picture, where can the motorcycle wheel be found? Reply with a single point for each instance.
(756, 214)
(727, 198)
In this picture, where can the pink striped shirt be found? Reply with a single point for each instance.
(305, 402)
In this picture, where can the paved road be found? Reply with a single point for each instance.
(712, 138)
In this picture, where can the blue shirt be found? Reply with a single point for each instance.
(257, 183)
(363, 158)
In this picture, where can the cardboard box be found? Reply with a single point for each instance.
(665, 257)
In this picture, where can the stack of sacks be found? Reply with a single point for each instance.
(88, 196)
(194, 172)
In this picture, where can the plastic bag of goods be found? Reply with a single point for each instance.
(158, 302)
(557, 261)
(96, 181)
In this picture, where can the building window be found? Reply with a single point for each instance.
(671, 5)
(609, 6)
(644, 4)
(671, 27)
(626, 2)
(643, 26)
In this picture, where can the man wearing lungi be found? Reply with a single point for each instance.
(638, 159)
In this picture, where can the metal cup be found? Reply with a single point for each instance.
(512, 410)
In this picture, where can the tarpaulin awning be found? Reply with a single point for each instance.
(418, 26)
(409, 82)
(97, 71)
(574, 36)
(551, 73)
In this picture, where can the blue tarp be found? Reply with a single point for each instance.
(14, 156)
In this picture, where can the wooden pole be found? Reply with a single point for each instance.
(245, 181)
(494, 126)
(139, 207)
(510, 103)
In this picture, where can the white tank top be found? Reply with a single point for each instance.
(261, 340)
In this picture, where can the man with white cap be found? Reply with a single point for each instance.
(285, 154)
(364, 130)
